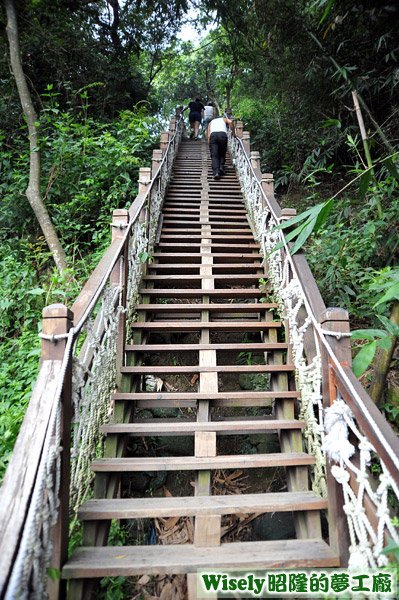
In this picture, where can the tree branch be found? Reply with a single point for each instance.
(33, 191)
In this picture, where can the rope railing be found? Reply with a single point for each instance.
(356, 451)
(82, 351)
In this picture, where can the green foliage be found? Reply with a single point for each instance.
(310, 222)
(378, 338)
(90, 168)
(19, 361)
(350, 253)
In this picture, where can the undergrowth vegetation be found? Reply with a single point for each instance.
(90, 167)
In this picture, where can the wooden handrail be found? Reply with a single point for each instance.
(96, 279)
(386, 443)
(54, 378)
(309, 284)
(16, 490)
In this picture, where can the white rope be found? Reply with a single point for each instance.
(366, 543)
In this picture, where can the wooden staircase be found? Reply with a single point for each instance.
(200, 303)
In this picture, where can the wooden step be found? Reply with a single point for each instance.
(171, 203)
(95, 562)
(225, 223)
(243, 347)
(215, 267)
(220, 256)
(196, 230)
(154, 369)
(211, 236)
(234, 277)
(231, 307)
(213, 325)
(188, 506)
(241, 398)
(199, 245)
(194, 463)
(197, 293)
(184, 209)
(183, 428)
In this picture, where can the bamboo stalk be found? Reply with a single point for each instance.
(365, 145)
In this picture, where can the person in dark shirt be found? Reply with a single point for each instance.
(195, 115)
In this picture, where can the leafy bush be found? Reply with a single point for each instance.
(19, 361)
(352, 247)
(89, 168)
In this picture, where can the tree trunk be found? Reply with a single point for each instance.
(33, 191)
(382, 361)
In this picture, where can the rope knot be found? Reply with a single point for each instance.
(340, 474)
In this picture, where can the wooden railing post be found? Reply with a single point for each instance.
(337, 320)
(268, 184)
(239, 129)
(156, 161)
(172, 125)
(119, 275)
(164, 141)
(58, 319)
(144, 181)
(246, 142)
(288, 213)
(255, 162)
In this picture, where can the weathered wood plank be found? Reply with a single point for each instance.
(148, 348)
(192, 463)
(135, 560)
(96, 279)
(198, 293)
(189, 428)
(197, 325)
(188, 506)
(214, 369)
(16, 491)
(222, 307)
(204, 396)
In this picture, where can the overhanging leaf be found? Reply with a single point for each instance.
(323, 213)
(391, 294)
(363, 358)
(303, 236)
(297, 218)
(313, 219)
(290, 236)
(367, 334)
(391, 327)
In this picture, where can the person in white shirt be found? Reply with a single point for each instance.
(217, 138)
(209, 114)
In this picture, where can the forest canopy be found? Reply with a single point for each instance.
(104, 76)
